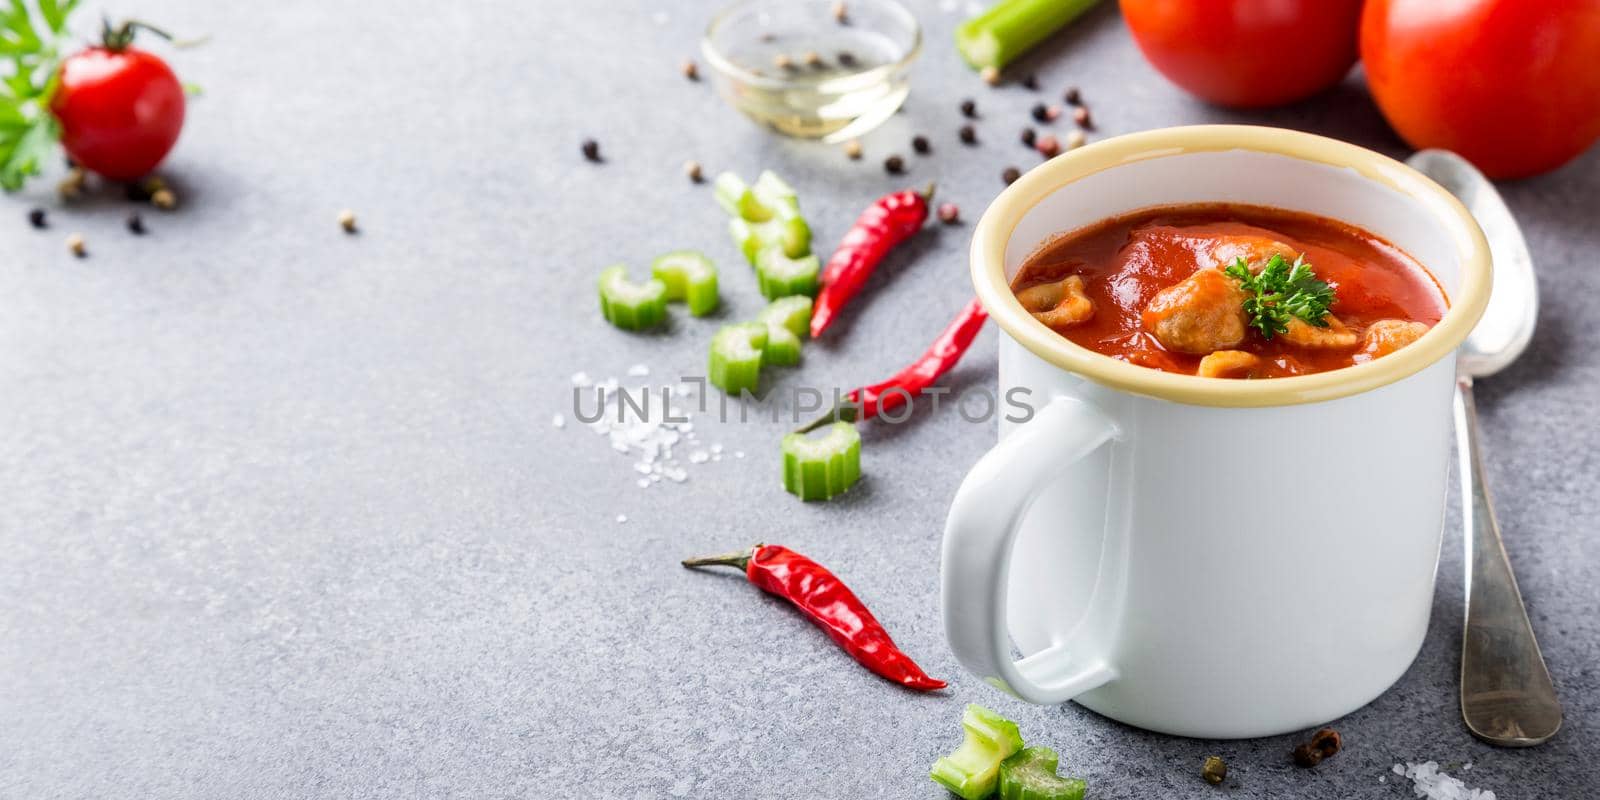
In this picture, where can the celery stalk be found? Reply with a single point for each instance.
(783, 348)
(628, 305)
(781, 276)
(1031, 775)
(819, 467)
(786, 230)
(689, 276)
(735, 363)
(792, 313)
(973, 770)
(1010, 28)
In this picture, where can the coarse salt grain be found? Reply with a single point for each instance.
(1428, 782)
(716, 448)
(622, 518)
(644, 483)
(638, 371)
(582, 380)
(560, 421)
(699, 457)
(738, 454)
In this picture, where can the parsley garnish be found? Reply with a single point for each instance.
(1280, 292)
(28, 131)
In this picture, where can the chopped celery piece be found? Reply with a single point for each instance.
(1031, 775)
(819, 467)
(1010, 28)
(738, 199)
(792, 313)
(973, 770)
(736, 357)
(628, 305)
(781, 276)
(788, 231)
(774, 192)
(690, 277)
(783, 347)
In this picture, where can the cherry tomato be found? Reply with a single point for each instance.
(120, 110)
(1247, 53)
(1511, 85)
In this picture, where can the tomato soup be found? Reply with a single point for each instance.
(1230, 291)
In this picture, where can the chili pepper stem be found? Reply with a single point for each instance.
(844, 412)
(927, 192)
(738, 558)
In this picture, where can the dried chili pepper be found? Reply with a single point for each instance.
(867, 402)
(883, 225)
(822, 597)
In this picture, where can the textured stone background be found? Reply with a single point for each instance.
(284, 514)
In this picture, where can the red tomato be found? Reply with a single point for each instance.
(120, 111)
(1247, 53)
(1511, 85)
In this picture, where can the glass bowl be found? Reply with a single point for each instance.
(796, 68)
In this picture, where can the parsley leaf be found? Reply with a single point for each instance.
(1280, 292)
(29, 56)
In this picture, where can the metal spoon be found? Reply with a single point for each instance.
(1506, 695)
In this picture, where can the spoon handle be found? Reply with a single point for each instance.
(1506, 694)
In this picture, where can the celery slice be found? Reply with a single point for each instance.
(1031, 775)
(819, 467)
(735, 364)
(973, 770)
(628, 305)
(1010, 28)
(738, 199)
(774, 192)
(792, 313)
(781, 276)
(689, 276)
(783, 347)
(787, 231)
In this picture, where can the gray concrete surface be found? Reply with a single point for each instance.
(284, 513)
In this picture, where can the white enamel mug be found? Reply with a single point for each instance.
(1201, 556)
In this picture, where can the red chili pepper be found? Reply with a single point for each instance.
(820, 595)
(867, 402)
(883, 225)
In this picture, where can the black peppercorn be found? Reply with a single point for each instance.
(894, 165)
(969, 109)
(36, 218)
(1010, 175)
(591, 150)
(920, 144)
(1073, 96)
(968, 135)
(1028, 136)
(847, 58)
(136, 224)
(1041, 112)
(1031, 82)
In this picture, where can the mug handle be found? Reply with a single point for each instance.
(976, 560)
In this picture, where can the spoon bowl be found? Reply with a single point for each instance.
(1507, 324)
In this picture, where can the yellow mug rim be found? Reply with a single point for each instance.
(995, 228)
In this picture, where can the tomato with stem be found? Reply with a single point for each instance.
(120, 108)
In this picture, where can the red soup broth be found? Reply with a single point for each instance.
(1124, 261)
